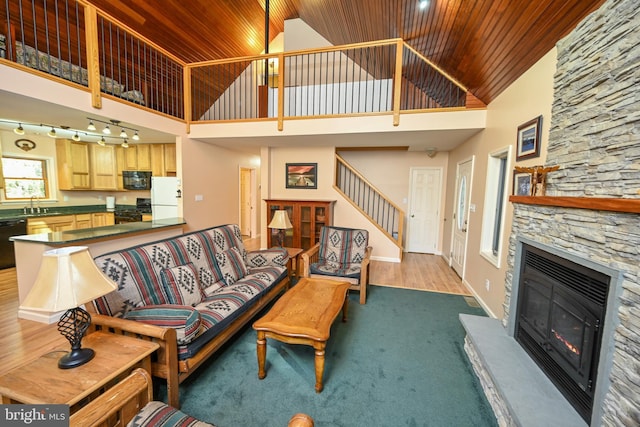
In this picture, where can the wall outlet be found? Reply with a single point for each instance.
(487, 284)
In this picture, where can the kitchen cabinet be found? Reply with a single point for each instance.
(50, 224)
(157, 159)
(307, 218)
(103, 167)
(170, 163)
(72, 159)
(83, 221)
(120, 165)
(137, 157)
(101, 219)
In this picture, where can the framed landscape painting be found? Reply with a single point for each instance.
(528, 145)
(302, 175)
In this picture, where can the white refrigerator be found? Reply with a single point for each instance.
(164, 197)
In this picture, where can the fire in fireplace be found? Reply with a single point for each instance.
(559, 322)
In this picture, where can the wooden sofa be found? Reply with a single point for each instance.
(184, 345)
(128, 399)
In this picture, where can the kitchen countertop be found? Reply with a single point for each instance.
(6, 214)
(72, 236)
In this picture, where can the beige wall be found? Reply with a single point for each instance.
(390, 172)
(214, 174)
(345, 215)
(530, 96)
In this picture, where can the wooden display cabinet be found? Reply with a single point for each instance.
(307, 217)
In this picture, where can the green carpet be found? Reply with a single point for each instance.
(398, 361)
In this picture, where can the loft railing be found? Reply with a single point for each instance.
(371, 202)
(73, 41)
(381, 77)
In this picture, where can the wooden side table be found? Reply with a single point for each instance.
(41, 381)
(294, 258)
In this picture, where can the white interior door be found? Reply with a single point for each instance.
(424, 210)
(461, 216)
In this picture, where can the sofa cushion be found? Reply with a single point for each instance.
(182, 285)
(159, 414)
(231, 264)
(331, 269)
(267, 257)
(184, 319)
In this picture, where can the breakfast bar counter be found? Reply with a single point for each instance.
(100, 240)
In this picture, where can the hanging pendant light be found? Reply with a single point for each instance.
(19, 130)
(125, 144)
(102, 142)
(91, 125)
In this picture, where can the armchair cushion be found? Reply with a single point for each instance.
(185, 320)
(332, 269)
(159, 414)
(342, 248)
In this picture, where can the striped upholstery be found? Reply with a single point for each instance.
(341, 253)
(159, 414)
(184, 319)
(230, 279)
(182, 285)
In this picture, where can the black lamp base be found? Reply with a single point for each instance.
(76, 358)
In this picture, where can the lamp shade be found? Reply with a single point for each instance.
(68, 278)
(280, 221)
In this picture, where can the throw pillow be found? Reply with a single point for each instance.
(182, 285)
(231, 265)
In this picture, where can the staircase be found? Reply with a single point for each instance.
(374, 205)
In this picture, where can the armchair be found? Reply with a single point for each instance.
(341, 253)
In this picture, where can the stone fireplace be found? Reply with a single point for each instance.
(592, 213)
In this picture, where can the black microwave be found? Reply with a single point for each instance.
(136, 180)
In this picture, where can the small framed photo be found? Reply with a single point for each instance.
(302, 175)
(521, 183)
(528, 145)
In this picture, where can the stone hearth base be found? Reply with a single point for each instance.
(517, 390)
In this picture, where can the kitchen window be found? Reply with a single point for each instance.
(25, 178)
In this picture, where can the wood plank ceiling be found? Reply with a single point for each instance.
(484, 44)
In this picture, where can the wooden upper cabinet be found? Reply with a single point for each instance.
(157, 159)
(170, 163)
(72, 159)
(144, 157)
(103, 167)
(120, 165)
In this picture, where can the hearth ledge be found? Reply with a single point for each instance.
(525, 391)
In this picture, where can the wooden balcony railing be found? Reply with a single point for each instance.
(72, 41)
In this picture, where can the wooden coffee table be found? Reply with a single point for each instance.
(304, 315)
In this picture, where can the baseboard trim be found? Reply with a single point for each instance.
(480, 301)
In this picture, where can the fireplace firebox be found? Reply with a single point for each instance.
(559, 322)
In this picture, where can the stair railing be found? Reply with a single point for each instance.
(370, 201)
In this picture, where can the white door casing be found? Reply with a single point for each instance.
(459, 235)
(423, 224)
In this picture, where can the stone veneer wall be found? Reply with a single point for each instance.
(595, 139)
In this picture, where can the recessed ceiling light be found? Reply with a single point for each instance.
(423, 4)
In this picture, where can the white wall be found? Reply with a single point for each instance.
(528, 97)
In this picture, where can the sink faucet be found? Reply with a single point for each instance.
(38, 204)
(31, 204)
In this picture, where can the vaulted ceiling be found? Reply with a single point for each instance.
(484, 44)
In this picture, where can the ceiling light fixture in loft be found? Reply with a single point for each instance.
(91, 126)
(422, 4)
(106, 130)
(115, 123)
(19, 130)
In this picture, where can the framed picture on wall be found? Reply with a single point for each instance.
(528, 144)
(521, 183)
(302, 175)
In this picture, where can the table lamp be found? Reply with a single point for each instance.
(280, 221)
(68, 278)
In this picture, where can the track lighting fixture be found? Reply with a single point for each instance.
(91, 126)
(63, 131)
(106, 130)
(102, 142)
(136, 137)
(19, 130)
(76, 137)
(115, 123)
(52, 132)
(125, 144)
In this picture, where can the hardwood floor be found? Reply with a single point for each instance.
(24, 340)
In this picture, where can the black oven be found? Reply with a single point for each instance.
(136, 180)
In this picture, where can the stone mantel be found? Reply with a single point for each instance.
(592, 203)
